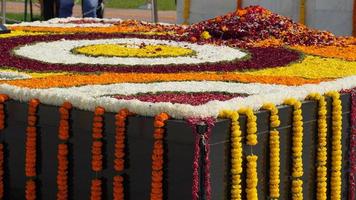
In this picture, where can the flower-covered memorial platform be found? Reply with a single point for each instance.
(249, 105)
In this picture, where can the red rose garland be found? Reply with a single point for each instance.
(119, 162)
(95, 189)
(157, 157)
(3, 98)
(352, 153)
(30, 161)
(63, 135)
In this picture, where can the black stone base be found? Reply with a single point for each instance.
(3, 29)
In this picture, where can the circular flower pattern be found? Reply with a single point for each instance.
(64, 60)
(60, 52)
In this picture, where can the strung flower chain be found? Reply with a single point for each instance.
(3, 98)
(352, 175)
(236, 153)
(251, 126)
(336, 152)
(251, 139)
(119, 162)
(30, 161)
(62, 156)
(252, 180)
(157, 157)
(321, 191)
(239, 4)
(97, 155)
(297, 148)
(274, 148)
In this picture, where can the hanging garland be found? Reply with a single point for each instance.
(157, 157)
(321, 190)
(62, 156)
(352, 175)
(336, 151)
(274, 154)
(236, 153)
(251, 139)
(186, 11)
(119, 162)
(30, 160)
(201, 139)
(3, 98)
(297, 148)
(302, 12)
(96, 150)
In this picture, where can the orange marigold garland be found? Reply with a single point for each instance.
(30, 161)
(62, 156)
(96, 150)
(3, 98)
(119, 162)
(157, 157)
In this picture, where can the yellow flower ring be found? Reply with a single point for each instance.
(129, 50)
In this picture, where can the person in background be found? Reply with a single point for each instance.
(89, 8)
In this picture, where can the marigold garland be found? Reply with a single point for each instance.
(96, 150)
(157, 157)
(336, 152)
(321, 172)
(236, 153)
(251, 179)
(251, 138)
(3, 98)
(297, 148)
(119, 162)
(274, 155)
(95, 189)
(62, 156)
(30, 160)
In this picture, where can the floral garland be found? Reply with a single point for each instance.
(336, 152)
(201, 139)
(274, 148)
(251, 138)
(97, 155)
(119, 161)
(352, 175)
(30, 160)
(322, 170)
(3, 98)
(297, 148)
(157, 157)
(62, 156)
(236, 153)
(251, 178)
(186, 11)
